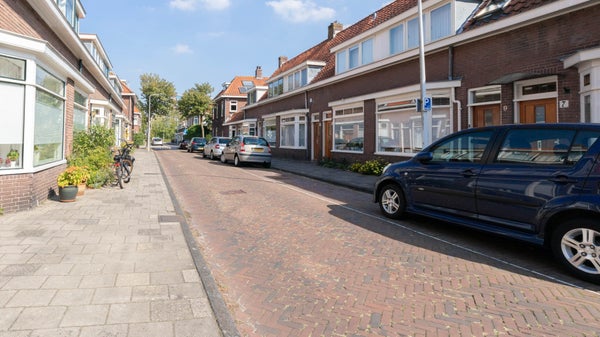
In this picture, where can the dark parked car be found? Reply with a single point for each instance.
(196, 144)
(183, 145)
(534, 182)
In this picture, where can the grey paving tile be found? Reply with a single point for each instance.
(190, 275)
(31, 298)
(112, 295)
(133, 279)
(196, 327)
(8, 317)
(98, 281)
(186, 290)
(150, 293)
(61, 332)
(137, 312)
(84, 315)
(6, 295)
(39, 318)
(86, 269)
(25, 282)
(169, 277)
(69, 297)
(62, 282)
(118, 330)
(54, 269)
(171, 310)
(157, 329)
(201, 307)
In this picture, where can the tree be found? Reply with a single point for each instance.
(159, 95)
(196, 102)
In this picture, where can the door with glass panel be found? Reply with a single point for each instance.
(486, 115)
(538, 111)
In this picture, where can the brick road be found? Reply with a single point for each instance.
(296, 257)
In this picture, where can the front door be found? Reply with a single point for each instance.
(328, 139)
(486, 115)
(317, 141)
(538, 111)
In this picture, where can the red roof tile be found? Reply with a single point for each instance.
(236, 86)
(513, 7)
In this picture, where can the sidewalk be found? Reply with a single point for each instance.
(113, 263)
(118, 262)
(353, 180)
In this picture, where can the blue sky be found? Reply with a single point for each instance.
(196, 41)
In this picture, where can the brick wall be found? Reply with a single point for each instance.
(24, 191)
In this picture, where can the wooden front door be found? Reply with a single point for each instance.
(328, 139)
(486, 115)
(538, 111)
(317, 141)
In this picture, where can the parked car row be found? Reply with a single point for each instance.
(239, 149)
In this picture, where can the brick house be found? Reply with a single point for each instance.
(354, 95)
(228, 105)
(51, 85)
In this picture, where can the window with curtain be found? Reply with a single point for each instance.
(413, 32)
(49, 118)
(270, 131)
(293, 131)
(341, 63)
(396, 39)
(441, 22)
(348, 129)
(367, 51)
(79, 112)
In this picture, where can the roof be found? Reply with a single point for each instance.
(237, 88)
(493, 10)
(322, 51)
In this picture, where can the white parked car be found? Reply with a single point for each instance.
(157, 141)
(215, 146)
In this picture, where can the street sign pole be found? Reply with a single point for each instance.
(425, 114)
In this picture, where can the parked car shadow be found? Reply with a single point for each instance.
(438, 236)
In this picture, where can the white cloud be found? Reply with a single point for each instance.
(190, 5)
(182, 49)
(216, 4)
(301, 10)
(184, 5)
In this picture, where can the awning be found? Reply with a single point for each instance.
(510, 78)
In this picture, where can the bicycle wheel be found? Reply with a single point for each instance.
(119, 175)
(127, 167)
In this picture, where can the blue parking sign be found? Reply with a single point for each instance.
(427, 104)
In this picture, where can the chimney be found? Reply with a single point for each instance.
(258, 72)
(334, 28)
(282, 60)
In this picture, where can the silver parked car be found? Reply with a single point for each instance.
(215, 146)
(247, 149)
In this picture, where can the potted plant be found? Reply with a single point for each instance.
(13, 155)
(69, 180)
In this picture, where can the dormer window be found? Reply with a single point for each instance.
(354, 56)
(296, 79)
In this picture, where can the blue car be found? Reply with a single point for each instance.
(538, 183)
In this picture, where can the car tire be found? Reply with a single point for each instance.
(391, 201)
(575, 244)
(236, 161)
(267, 165)
(223, 159)
(211, 156)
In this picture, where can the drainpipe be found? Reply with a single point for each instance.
(450, 77)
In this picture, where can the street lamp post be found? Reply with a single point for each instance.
(149, 120)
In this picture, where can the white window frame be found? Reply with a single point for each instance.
(343, 115)
(299, 124)
(233, 106)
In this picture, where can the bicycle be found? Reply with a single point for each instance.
(123, 164)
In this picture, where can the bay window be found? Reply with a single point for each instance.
(293, 131)
(348, 129)
(12, 96)
(49, 118)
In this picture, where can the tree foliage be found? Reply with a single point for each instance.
(197, 102)
(159, 92)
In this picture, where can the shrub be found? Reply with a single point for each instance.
(73, 176)
(139, 139)
(370, 167)
(92, 149)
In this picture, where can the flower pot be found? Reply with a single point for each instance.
(67, 193)
(80, 189)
